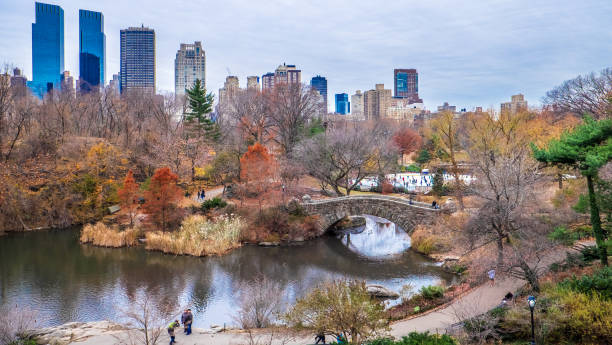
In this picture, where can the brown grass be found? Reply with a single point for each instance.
(199, 236)
(102, 235)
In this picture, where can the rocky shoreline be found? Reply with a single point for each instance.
(73, 332)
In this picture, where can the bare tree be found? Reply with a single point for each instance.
(344, 156)
(506, 174)
(246, 112)
(259, 303)
(290, 107)
(588, 94)
(146, 323)
(17, 323)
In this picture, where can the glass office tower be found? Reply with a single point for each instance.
(47, 48)
(137, 69)
(343, 106)
(92, 50)
(320, 84)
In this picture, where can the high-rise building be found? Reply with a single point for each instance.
(343, 106)
(47, 48)
(113, 84)
(517, 103)
(357, 104)
(67, 83)
(376, 102)
(92, 51)
(253, 83)
(447, 107)
(287, 74)
(267, 81)
(189, 65)
(229, 90)
(17, 79)
(320, 84)
(406, 84)
(137, 70)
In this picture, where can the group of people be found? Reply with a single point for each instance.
(320, 338)
(201, 195)
(186, 320)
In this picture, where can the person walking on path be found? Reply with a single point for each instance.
(189, 321)
(491, 275)
(184, 316)
(171, 328)
(203, 194)
(320, 338)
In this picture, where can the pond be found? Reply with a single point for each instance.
(65, 281)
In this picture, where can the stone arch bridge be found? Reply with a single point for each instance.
(400, 211)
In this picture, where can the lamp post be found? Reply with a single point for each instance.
(532, 301)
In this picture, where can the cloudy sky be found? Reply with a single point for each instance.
(469, 53)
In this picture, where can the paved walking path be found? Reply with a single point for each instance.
(475, 302)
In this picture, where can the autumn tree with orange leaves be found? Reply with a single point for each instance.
(162, 198)
(257, 168)
(407, 141)
(128, 194)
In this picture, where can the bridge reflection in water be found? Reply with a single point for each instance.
(378, 238)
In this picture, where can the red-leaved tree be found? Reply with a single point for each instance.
(128, 194)
(407, 141)
(162, 198)
(257, 169)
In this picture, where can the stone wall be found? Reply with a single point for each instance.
(399, 211)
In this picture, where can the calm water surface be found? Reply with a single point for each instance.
(66, 281)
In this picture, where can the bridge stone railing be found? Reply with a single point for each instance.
(401, 211)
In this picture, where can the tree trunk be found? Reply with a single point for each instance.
(560, 177)
(500, 251)
(596, 223)
(531, 276)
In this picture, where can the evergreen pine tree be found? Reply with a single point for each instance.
(200, 106)
(588, 147)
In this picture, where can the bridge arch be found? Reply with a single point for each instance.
(400, 211)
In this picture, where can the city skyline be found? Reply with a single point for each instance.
(468, 55)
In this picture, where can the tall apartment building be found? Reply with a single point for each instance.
(47, 48)
(137, 69)
(357, 104)
(113, 84)
(17, 79)
(447, 107)
(189, 65)
(287, 74)
(343, 106)
(406, 84)
(229, 90)
(67, 83)
(253, 83)
(376, 102)
(267, 81)
(517, 103)
(92, 51)
(320, 84)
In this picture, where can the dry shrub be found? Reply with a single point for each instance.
(102, 235)
(260, 303)
(199, 236)
(387, 188)
(424, 242)
(17, 323)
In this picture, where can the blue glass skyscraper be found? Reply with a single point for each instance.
(320, 84)
(343, 106)
(47, 48)
(92, 50)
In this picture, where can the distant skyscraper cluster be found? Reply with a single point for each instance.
(320, 84)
